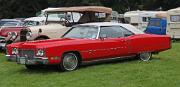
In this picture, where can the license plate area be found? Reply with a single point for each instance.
(21, 60)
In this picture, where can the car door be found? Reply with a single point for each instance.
(113, 41)
(129, 38)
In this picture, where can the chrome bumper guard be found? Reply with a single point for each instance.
(2, 43)
(11, 58)
(24, 60)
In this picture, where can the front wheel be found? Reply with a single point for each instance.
(70, 62)
(145, 56)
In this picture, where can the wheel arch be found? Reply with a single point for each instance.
(77, 53)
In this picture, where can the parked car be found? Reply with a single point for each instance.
(6, 26)
(68, 16)
(10, 22)
(157, 26)
(11, 30)
(8, 31)
(86, 43)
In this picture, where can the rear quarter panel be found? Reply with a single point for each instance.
(149, 43)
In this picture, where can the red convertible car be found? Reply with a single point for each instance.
(89, 42)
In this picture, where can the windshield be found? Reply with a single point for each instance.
(4, 22)
(82, 32)
(10, 24)
(31, 23)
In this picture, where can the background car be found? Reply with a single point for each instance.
(9, 25)
(10, 22)
(87, 43)
(67, 17)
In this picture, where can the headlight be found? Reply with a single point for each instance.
(14, 51)
(13, 35)
(9, 34)
(28, 35)
(40, 52)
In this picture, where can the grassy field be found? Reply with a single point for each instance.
(162, 71)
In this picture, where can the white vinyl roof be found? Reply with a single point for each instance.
(174, 10)
(127, 26)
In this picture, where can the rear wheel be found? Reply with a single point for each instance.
(145, 56)
(70, 62)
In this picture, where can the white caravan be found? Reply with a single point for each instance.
(139, 19)
(173, 20)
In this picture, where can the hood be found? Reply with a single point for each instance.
(4, 31)
(52, 42)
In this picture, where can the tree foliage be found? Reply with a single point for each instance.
(21, 8)
(28, 8)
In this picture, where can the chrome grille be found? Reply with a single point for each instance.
(2, 39)
(26, 53)
(23, 33)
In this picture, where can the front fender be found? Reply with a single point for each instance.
(35, 36)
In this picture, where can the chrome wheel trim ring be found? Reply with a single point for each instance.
(70, 61)
(145, 56)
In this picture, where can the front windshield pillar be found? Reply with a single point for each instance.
(72, 17)
(47, 15)
(98, 34)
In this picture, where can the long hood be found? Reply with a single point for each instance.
(54, 42)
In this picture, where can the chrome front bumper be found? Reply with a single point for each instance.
(27, 61)
(33, 61)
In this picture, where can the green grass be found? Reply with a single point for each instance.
(162, 71)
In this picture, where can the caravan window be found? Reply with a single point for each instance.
(154, 23)
(146, 19)
(175, 18)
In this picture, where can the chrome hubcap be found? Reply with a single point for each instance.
(70, 62)
(145, 56)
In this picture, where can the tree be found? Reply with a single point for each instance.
(28, 8)
(21, 8)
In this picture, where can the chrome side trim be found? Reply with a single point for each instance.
(44, 58)
(8, 55)
(98, 60)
